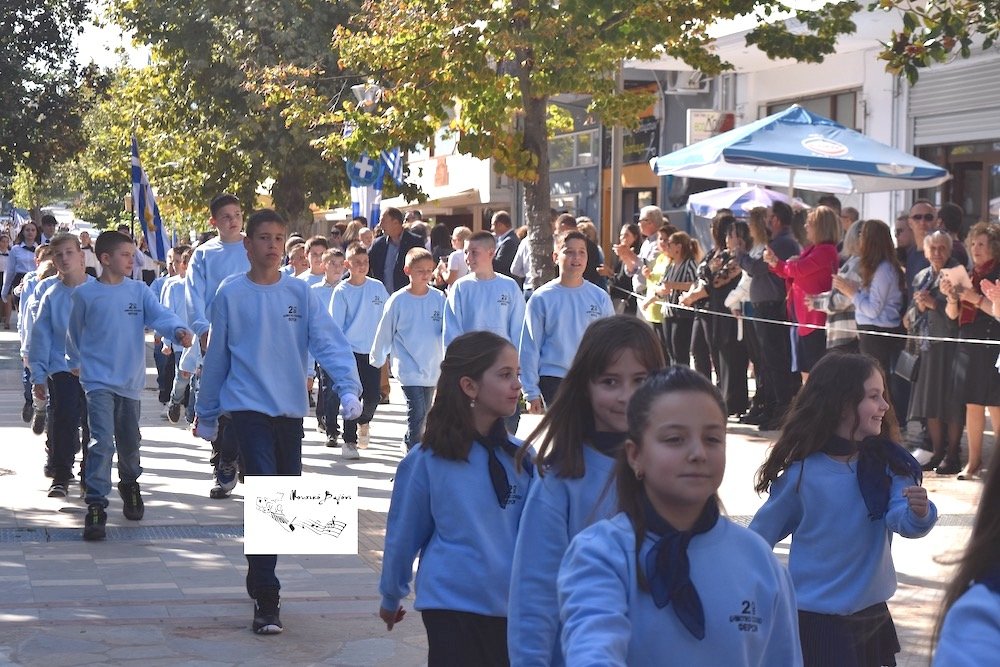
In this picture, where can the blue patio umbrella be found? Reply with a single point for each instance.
(796, 148)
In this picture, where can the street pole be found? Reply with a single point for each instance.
(617, 146)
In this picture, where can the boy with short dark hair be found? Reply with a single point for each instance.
(315, 247)
(259, 310)
(106, 344)
(356, 307)
(327, 399)
(410, 329)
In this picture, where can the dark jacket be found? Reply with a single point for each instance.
(504, 256)
(376, 259)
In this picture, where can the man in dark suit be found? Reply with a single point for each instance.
(507, 243)
(385, 257)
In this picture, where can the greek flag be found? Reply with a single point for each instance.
(18, 218)
(394, 164)
(146, 210)
(366, 176)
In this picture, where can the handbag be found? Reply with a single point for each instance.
(907, 365)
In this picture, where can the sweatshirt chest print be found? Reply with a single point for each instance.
(504, 301)
(133, 309)
(747, 619)
(594, 312)
(377, 301)
(513, 495)
(436, 316)
(292, 314)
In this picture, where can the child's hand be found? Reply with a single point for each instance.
(350, 406)
(41, 392)
(204, 432)
(391, 618)
(535, 407)
(916, 496)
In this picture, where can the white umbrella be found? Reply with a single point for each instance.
(741, 200)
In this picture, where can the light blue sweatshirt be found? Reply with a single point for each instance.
(447, 513)
(747, 596)
(211, 263)
(310, 278)
(261, 336)
(970, 635)
(357, 310)
(47, 350)
(172, 297)
(495, 305)
(325, 292)
(556, 510)
(410, 329)
(156, 287)
(106, 334)
(30, 297)
(840, 560)
(881, 303)
(554, 322)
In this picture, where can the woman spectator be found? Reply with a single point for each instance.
(680, 276)
(975, 375)
(441, 245)
(621, 281)
(745, 237)
(20, 261)
(931, 398)
(841, 327)
(4, 256)
(878, 298)
(352, 232)
(810, 273)
(454, 266)
(651, 307)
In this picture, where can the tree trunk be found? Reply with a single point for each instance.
(290, 201)
(537, 193)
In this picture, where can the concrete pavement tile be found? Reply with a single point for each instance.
(227, 609)
(36, 581)
(38, 646)
(213, 590)
(132, 653)
(143, 587)
(137, 560)
(63, 593)
(104, 612)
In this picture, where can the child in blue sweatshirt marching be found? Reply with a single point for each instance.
(457, 502)
(580, 436)
(669, 580)
(841, 486)
(410, 329)
(264, 315)
(968, 633)
(105, 343)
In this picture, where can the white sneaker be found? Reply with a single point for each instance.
(363, 436)
(350, 451)
(165, 412)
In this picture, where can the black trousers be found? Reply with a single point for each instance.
(461, 639)
(701, 351)
(677, 333)
(775, 355)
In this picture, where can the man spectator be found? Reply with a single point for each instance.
(414, 216)
(950, 222)
(923, 215)
(832, 202)
(507, 242)
(650, 220)
(388, 251)
(904, 237)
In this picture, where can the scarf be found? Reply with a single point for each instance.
(967, 312)
(668, 570)
(874, 474)
(991, 578)
(497, 439)
(608, 443)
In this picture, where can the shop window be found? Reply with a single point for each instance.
(570, 151)
(841, 107)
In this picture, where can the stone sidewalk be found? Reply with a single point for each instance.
(169, 590)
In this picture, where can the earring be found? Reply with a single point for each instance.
(639, 475)
(472, 403)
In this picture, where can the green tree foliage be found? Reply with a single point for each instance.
(40, 102)
(937, 31)
(199, 110)
(500, 62)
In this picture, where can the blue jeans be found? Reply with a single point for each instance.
(330, 401)
(114, 425)
(371, 381)
(269, 446)
(418, 404)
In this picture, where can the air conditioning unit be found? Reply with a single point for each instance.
(687, 83)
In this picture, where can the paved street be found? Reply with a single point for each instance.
(169, 589)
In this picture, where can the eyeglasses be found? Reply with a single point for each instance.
(900, 230)
(929, 217)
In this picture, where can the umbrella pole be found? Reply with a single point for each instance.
(791, 184)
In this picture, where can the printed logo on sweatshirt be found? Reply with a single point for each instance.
(133, 309)
(436, 316)
(513, 496)
(747, 619)
(377, 300)
(504, 301)
(594, 312)
(293, 314)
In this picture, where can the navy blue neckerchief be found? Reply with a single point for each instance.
(668, 570)
(496, 439)
(991, 579)
(874, 455)
(608, 443)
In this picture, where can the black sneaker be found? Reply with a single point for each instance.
(57, 490)
(132, 507)
(93, 526)
(331, 441)
(27, 411)
(38, 422)
(949, 467)
(174, 413)
(266, 605)
(225, 481)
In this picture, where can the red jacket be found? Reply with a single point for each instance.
(811, 273)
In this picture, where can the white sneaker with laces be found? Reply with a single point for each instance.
(349, 451)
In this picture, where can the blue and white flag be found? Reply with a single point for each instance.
(394, 164)
(366, 176)
(18, 217)
(144, 205)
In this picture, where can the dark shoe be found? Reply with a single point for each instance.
(266, 606)
(57, 490)
(133, 508)
(93, 526)
(755, 418)
(312, 401)
(38, 422)
(933, 464)
(772, 424)
(225, 481)
(27, 411)
(174, 413)
(948, 468)
(331, 441)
